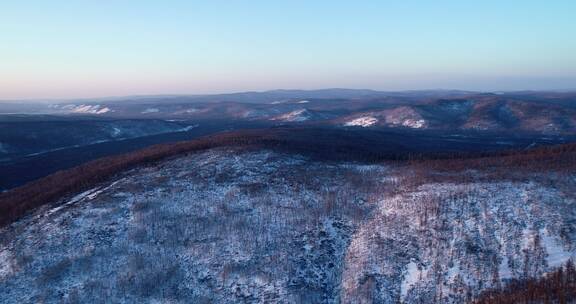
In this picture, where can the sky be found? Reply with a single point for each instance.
(80, 48)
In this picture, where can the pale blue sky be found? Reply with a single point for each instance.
(82, 48)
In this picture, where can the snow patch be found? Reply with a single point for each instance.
(405, 117)
(87, 109)
(557, 255)
(414, 123)
(116, 132)
(504, 270)
(365, 121)
(89, 195)
(187, 111)
(527, 238)
(294, 116)
(412, 276)
(303, 101)
(6, 263)
(188, 128)
(150, 110)
(192, 110)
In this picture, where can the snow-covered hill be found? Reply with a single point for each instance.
(299, 115)
(235, 226)
(538, 113)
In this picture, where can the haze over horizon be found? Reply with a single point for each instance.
(65, 49)
(102, 98)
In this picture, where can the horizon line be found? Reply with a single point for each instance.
(158, 95)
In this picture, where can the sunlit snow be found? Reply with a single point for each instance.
(87, 109)
(365, 121)
(294, 116)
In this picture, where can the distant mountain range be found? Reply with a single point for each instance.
(254, 96)
(40, 138)
(547, 113)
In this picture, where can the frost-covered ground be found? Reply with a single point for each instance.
(226, 226)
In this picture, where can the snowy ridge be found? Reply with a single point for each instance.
(405, 117)
(230, 226)
(414, 123)
(366, 121)
(86, 109)
(86, 195)
(294, 116)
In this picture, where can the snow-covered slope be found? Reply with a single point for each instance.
(405, 117)
(365, 121)
(299, 115)
(225, 226)
(86, 109)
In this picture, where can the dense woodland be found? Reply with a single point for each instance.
(556, 287)
(319, 144)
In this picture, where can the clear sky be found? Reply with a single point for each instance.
(86, 48)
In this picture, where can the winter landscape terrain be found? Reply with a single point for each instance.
(404, 199)
(288, 152)
(40, 137)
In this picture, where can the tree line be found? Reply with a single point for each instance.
(325, 145)
(558, 286)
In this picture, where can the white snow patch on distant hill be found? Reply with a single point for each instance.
(150, 110)
(116, 132)
(87, 109)
(303, 101)
(405, 117)
(414, 123)
(365, 121)
(294, 116)
(187, 111)
(188, 128)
